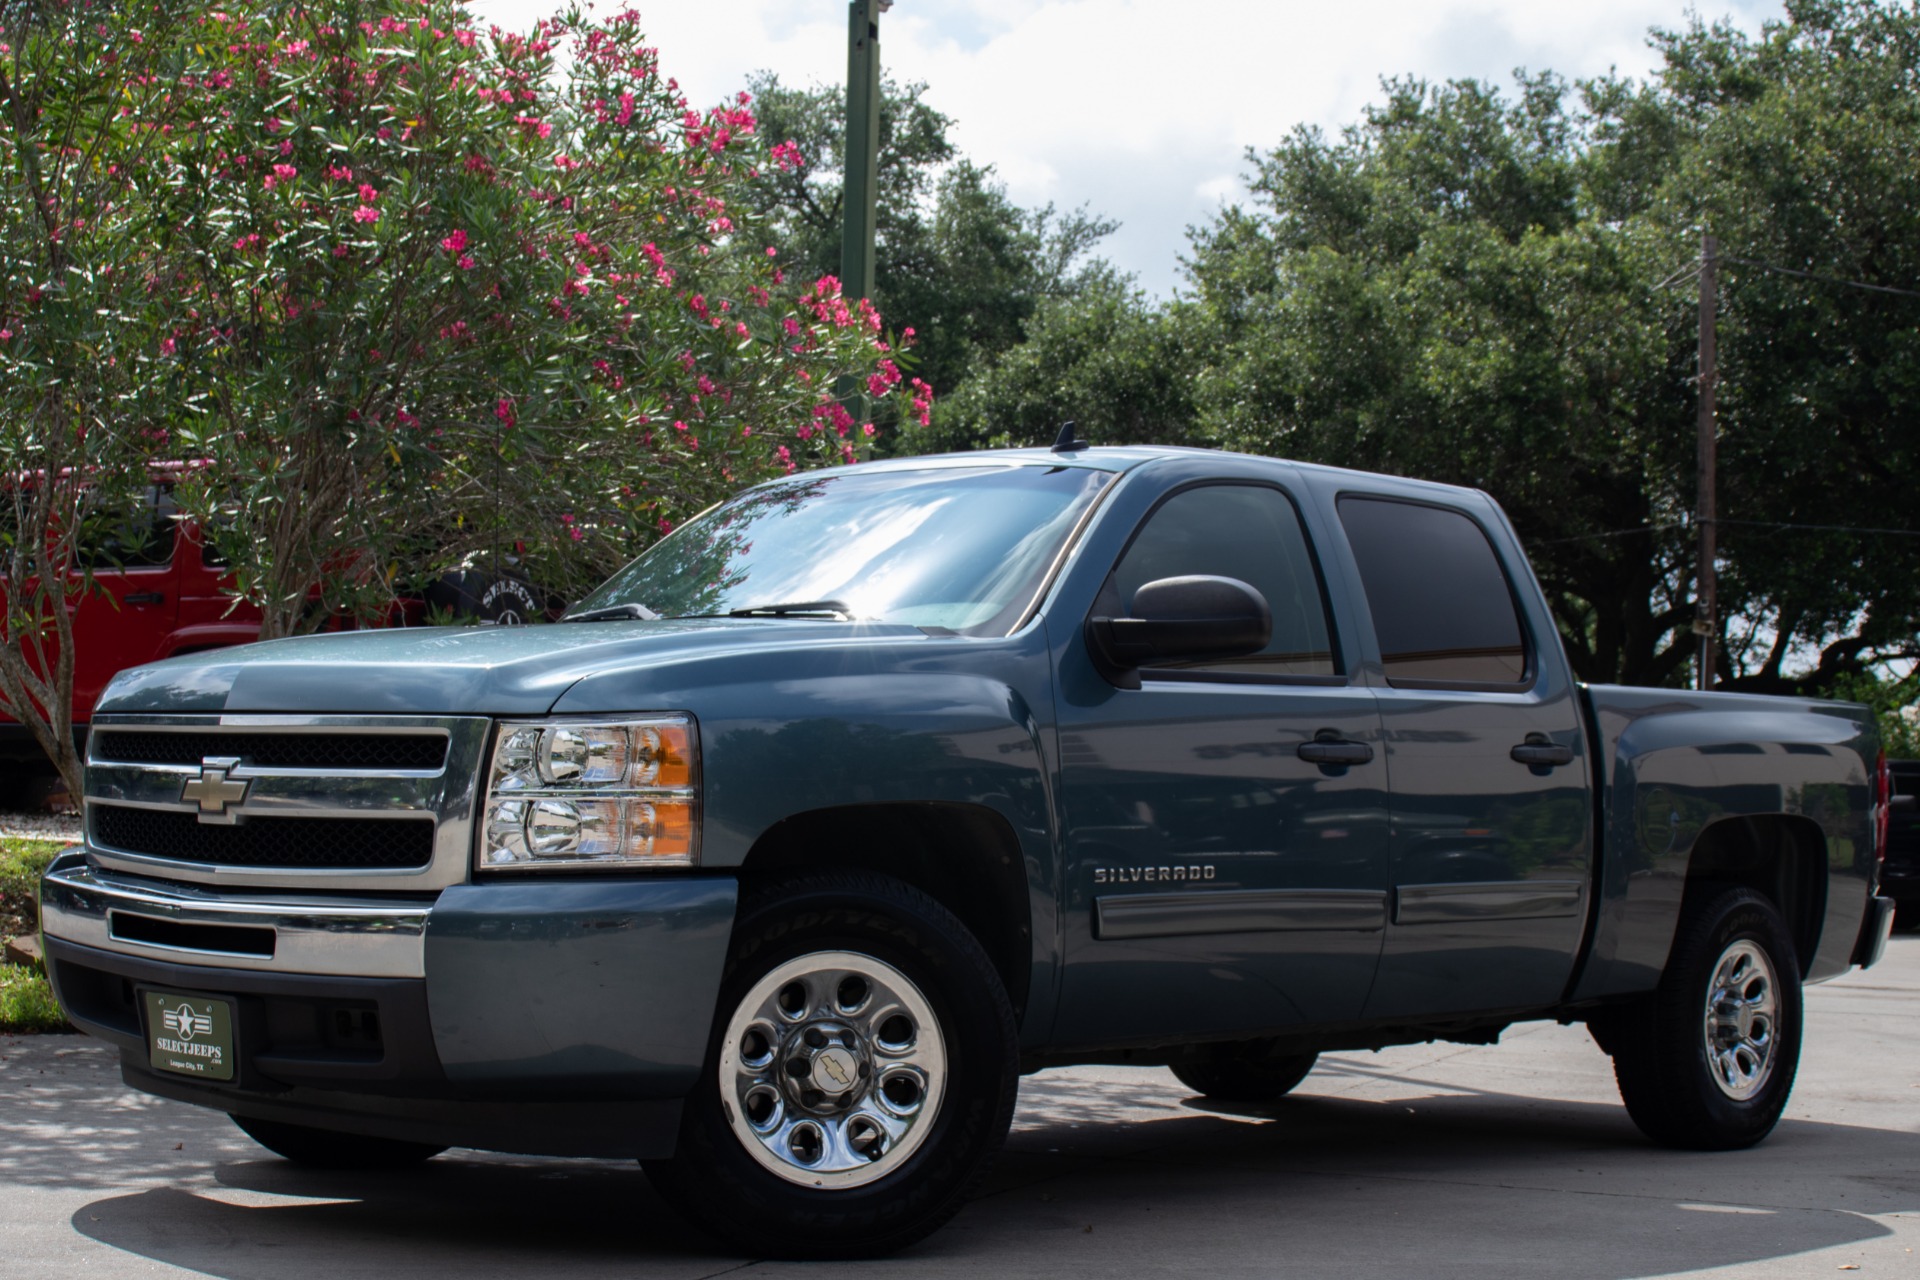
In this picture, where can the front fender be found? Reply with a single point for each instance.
(923, 720)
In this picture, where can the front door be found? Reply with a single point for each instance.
(1217, 882)
(1491, 818)
(128, 614)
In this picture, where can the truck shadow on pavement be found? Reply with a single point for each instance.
(1120, 1176)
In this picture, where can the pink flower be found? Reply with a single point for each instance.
(285, 172)
(339, 173)
(503, 410)
(367, 194)
(166, 346)
(666, 525)
(466, 262)
(455, 243)
(867, 430)
(366, 213)
(6, 335)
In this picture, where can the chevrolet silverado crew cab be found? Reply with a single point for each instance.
(871, 789)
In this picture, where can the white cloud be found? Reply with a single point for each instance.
(1143, 109)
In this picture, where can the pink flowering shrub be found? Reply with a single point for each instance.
(440, 290)
(86, 341)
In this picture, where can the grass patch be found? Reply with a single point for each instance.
(21, 862)
(27, 1003)
(26, 997)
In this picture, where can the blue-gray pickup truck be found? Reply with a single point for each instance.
(871, 789)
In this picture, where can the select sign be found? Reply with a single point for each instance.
(190, 1035)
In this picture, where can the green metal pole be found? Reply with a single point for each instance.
(858, 197)
(863, 147)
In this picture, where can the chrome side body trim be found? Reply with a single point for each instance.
(342, 937)
(1160, 915)
(447, 795)
(1487, 900)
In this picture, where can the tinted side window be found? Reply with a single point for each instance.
(1441, 604)
(1248, 532)
(140, 538)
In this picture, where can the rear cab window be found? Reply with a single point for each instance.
(1443, 608)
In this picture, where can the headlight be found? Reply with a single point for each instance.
(573, 794)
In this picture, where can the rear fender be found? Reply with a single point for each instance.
(1681, 763)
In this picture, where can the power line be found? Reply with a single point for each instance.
(1814, 275)
(1752, 524)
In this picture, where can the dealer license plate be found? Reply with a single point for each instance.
(190, 1035)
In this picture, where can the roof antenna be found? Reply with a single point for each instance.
(1066, 443)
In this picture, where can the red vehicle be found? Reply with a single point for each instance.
(158, 591)
(161, 591)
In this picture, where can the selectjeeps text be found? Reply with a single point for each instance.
(871, 789)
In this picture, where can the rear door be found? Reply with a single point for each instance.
(1217, 882)
(1492, 830)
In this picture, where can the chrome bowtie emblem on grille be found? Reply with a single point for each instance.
(213, 791)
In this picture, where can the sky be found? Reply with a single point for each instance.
(1143, 110)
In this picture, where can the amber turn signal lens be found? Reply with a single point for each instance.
(663, 756)
(661, 831)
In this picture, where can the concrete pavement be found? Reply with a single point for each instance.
(1436, 1160)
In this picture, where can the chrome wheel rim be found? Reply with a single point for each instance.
(1742, 1011)
(832, 1070)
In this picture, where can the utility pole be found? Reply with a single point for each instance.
(863, 146)
(1706, 623)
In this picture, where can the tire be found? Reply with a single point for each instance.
(328, 1149)
(1678, 1092)
(1246, 1076)
(836, 980)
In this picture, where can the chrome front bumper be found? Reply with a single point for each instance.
(275, 932)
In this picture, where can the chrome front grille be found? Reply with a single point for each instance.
(371, 802)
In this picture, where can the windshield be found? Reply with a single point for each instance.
(962, 548)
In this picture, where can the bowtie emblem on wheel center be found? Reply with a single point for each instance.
(213, 790)
(834, 1069)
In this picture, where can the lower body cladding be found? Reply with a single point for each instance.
(545, 1018)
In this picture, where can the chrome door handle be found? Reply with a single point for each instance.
(1334, 751)
(1536, 752)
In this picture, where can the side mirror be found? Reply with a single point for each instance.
(1186, 619)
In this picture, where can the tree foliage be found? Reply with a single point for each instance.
(1497, 289)
(448, 289)
(80, 322)
(412, 291)
(958, 267)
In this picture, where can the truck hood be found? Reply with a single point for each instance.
(454, 670)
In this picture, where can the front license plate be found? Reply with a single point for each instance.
(190, 1035)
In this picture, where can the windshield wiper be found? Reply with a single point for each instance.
(838, 608)
(612, 612)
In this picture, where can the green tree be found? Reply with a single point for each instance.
(444, 289)
(82, 329)
(956, 262)
(1494, 289)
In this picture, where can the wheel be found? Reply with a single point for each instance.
(1706, 1063)
(328, 1149)
(1246, 1075)
(860, 1078)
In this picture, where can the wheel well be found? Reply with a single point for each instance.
(1779, 856)
(962, 856)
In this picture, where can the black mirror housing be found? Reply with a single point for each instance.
(1185, 619)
